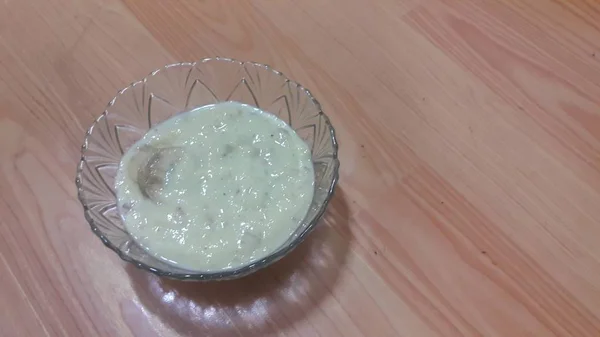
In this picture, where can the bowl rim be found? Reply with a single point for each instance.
(216, 275)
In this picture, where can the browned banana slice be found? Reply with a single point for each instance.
(150, 168)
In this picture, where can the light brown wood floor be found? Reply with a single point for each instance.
(469, 200)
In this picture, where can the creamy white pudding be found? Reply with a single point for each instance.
(215, 188)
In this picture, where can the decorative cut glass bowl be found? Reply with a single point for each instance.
(178, 88)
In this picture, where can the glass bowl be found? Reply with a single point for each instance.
(181, 87)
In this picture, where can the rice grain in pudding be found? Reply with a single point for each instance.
(215, 188)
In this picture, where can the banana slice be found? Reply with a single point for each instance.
(150, 169)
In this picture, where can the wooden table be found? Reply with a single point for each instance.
(469, 198)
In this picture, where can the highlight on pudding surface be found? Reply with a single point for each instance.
(215, 188)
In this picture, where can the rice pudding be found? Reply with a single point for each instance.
(215, 188)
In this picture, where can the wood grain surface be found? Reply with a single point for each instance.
(469, 198)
